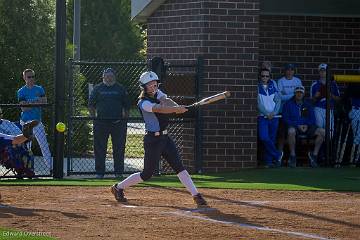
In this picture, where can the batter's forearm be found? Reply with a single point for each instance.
(160, 108)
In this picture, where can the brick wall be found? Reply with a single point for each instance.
(308, 41)
(225, 33)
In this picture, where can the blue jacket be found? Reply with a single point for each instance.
(298, 114)
(268, 99)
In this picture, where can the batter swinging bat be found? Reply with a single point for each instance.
(211, 99)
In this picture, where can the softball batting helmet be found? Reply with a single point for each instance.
(147, 77)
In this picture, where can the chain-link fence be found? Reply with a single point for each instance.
(179, 82)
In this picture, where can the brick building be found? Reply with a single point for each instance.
(233, 37)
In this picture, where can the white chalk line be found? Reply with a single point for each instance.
(244, 225)
(352, 201)
(189, 214)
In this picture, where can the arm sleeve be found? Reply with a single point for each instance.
(313, 90)
(20, 96)
(311, 119)
(280, 88)
(42, 92)
(261, 107)
(286, 115)
(147, 106)
(126, 100)
(161, 94)
(277, 101)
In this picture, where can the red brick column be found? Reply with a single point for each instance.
(226, 35)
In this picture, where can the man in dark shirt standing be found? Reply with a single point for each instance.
(109, 104)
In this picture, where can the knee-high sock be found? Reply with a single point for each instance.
(130, 180)
(186, 180)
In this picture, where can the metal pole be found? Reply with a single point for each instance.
(76, 33)
(59, 85)
(69, 148)
(327, 124)
(198, 117)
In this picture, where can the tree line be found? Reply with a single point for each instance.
(27, 39)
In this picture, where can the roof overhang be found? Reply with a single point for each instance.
(142, 9)
(326, 8)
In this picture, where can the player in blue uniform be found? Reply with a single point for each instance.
(154, 106)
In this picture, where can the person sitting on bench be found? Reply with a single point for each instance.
(299, 118)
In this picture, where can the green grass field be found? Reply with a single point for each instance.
(320, 179)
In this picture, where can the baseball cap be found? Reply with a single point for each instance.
(289, 66)
(108, 71)
(299, 89)
(323, 66)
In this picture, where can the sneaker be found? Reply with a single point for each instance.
(292, 161)
(199, 200)
(313, 160)
(27, 128)
(118, 193)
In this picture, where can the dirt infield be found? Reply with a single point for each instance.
(158, 213)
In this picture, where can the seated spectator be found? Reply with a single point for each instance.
(268, 106)
(286, 86)
(299, 118)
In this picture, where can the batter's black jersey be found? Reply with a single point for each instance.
(154, 122)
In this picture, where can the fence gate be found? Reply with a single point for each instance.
(79, 151)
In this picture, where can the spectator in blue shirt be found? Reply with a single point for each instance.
(34, 94)
(299, 117)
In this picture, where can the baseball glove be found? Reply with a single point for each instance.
(28, 128)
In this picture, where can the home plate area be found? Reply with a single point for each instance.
(169, 213)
